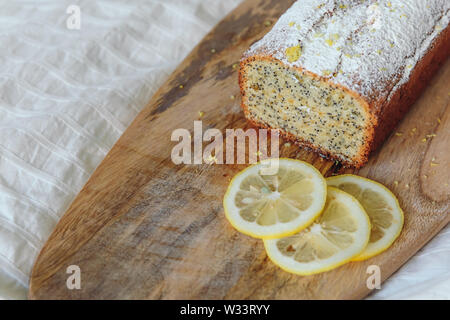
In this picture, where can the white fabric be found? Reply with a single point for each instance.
(67, 95)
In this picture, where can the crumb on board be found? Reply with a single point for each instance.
(212, 159)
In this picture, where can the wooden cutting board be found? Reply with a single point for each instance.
(145, 228)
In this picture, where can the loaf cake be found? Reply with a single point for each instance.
(337, 76)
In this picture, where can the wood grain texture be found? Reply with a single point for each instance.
(145, 228)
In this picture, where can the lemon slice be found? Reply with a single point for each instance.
(381, 205)
(275, 204)
(339, 234)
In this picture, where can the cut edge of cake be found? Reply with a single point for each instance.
(359, 157)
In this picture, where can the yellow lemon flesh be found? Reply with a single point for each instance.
(338, 235)
(382, 207)
(275, 198)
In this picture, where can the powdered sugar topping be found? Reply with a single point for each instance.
(368, 46)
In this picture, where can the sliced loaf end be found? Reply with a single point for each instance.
(307, 109)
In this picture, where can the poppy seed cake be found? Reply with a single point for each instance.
(337, 76)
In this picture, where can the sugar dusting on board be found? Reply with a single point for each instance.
(371, 47)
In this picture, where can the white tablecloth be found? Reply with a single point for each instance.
(67, 95)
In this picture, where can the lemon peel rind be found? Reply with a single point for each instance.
(269, 251)
(370, 254)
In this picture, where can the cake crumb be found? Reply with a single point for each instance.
(396, 183)
(181, 86)
(329, 42)
(201, 114)
(398, 134)
(267, 23)
(433, 164)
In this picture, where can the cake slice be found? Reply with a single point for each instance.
(337, 76)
